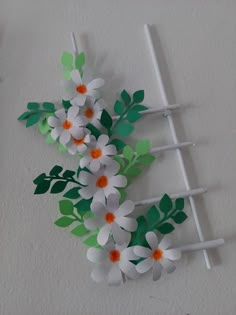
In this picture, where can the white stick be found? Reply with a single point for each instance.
(202, 245)
(163, 110)
(74, 44)
(171, 147)
(174, 136)
(182, 194)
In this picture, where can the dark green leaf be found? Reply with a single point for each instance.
(138, 96)
(68, 174)
(124, 129)
(133, 116)
(91, 241)
(67, 59)
(24, 116)
(42, 187)
(128, 152)
(80, 61)
(66, 104)
(179, 217)
(123, 195)
(33, 106)
(94, 131)
(165, 228)
(55, 170)
(39, 178)
(73, 193)
(83, 205)
(119, 144)
(125, 97)
(139, 108)
(138, 237)
(146, 159)
(58, 187)
(79, 230)
(165, 204)
(49, 106)
(106, 119)
(33, 119)
(179, 203)
(66, 207)
(133, 171)
(64, 221)
(152, 215)
(119, 107)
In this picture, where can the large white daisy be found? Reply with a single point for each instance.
(112, 262)
(66, 125)
(158, 257)
(77, 89)
(98, 153)
(112, 219)
(80, 145)
(102, 183)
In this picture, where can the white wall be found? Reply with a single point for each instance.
(43, 269)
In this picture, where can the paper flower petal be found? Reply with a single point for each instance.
(65, 137)
(128, 254)
(100, 272)
(113, 202)
(79, 100)
(94, 166)
(93, 93)
(144, 265)
(61, 114)
(110, 150)
(53, 121)
(85, 178)
(142, 251)
(102, 141)
(125, 208)
(129, 224)
(72, 112)
(93, 223)
(84, 161)
(96, 255)
(98, 208)
(165, 243)
(86, 194)
(152, 240)
(156, 271)
(95, 84)
(129, 269)
(103, 234)
(120, 236)
(114, 275)
(172, 254)
(118, 181)
(76, 77)
(77, 133)
(168, 265)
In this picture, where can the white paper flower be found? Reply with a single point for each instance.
(80, 145)
(158, 257)
(66, 125)
(91, 112)
(112, 219)
(98, 154)
(77, 89)
(112, 261)
(102, 183)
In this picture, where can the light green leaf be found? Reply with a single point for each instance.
(67, 74)
(66, 207)
(91, 241)
(128, 152)
(61, 148)
(146, 159)
(133, 171)
(64, 221)
(49, 139)
(44, 127)
(119, 159)
(80, 61)
(67, 60)
(142, 147)
(79, 230)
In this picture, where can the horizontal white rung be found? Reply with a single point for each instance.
(171, 147)
(201, 245)
(161, 110)
(183, 194)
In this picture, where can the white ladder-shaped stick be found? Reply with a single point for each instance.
(202, 245)
(174, 136)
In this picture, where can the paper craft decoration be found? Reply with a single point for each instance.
(95, 204)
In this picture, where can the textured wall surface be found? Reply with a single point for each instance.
(43, 269)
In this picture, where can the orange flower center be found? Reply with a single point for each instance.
(102, 182)
(157, 254)
(67, 124)
(96, 153)
(82, 89)
(114, 255)
(109, 217)
(78, 141)
(89, 113)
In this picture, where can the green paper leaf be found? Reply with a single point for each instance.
(165, 228)
(79, 230)
(138, 96)
(66, 207)
(165, 204)
(138, 237)
(128, 152)
(133, 171)
(139, 108)
(124, 129)
(73, 193)
(24, 116)
(67, 59)
(94, 131)
(106, 119)
(32, 120)
(91, 241)
(49, 106)
(125, 97)
(61, 148)
(153, 215)
(42, 187)
(64, 221)
(119, 107)
(123, 195)
(119, 144)
(39, 178)
(55, 170)
(119, 159)
(58, 187)
(179, 203)
(66, 104)
(33, 106)
(80, 60)
(83, 204)
(133, 116)
(50, 140)
(146, 159)
(142, 147)
(43, 126)
(179, 217)
(68, 174)
(67, 74)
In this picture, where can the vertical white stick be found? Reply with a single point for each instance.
(175, 138)
(74, 44)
